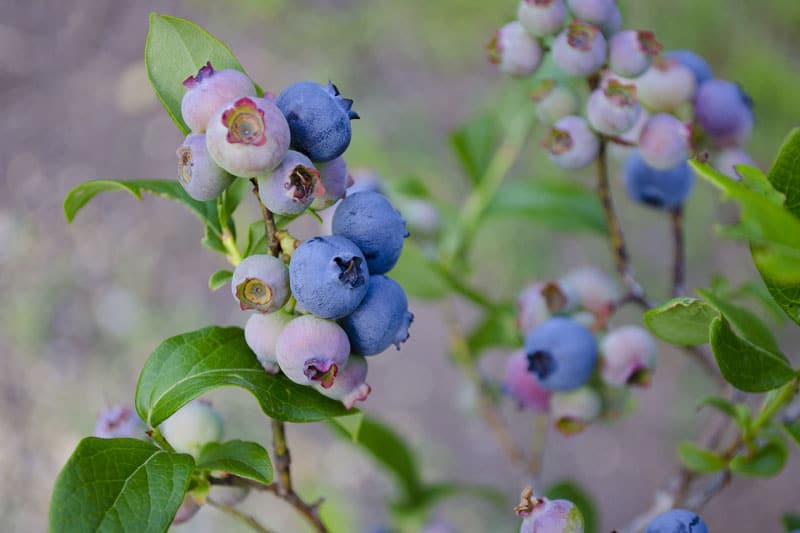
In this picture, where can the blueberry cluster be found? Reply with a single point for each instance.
(573, 366)
(666, 105)
(292, 145)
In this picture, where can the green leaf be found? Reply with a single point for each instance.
(119, 485)
(749, 325)
(767, 461)
(170, 189)
(219, 278)
(743, 364)
(188, 365)
(245, 459)
(176, 49)
(755, 180)
(681, 321)
(418, 275)
(570, 490)
(389, 450)
(256, 242)
(474, 145)
(699, 459)
(791, 522)
(793, 429)
(412, 187)
(350, 424)
(497, 329)
(785, 172)
(562, 205)
(757, 291)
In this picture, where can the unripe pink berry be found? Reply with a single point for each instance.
(729, 158)
(350, 385)
(260, 282)
(311, 350)
(628, 356)
(186, 511)
(613, 24)
(539, 301)
(572, 411)
(666, 85)
(261, 333)
(571, 143)
(630, 52)
(542, 515)
(335, 179)
(514, 51)
(523, 386)
(119, 421)
(292, 186)
(596, 290)
(209, 90)
(664, 142)
(200, 176)
(579, 50)
(554, 101)
(542, 17)
(248, 136)
(613, 110)
(596, 12)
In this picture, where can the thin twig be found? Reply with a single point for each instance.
(270, 233)
(679, 256)
(283, 459)
(239, 515)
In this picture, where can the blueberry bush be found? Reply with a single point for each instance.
(317, 310)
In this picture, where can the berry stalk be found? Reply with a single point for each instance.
(245, 518)
(679, 253)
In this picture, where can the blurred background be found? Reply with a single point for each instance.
(83, 305)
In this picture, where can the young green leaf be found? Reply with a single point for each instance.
(681, 321)
(739, 412)
(749, 325)
(474, 145)
(793, 429)
(791, 522)
(176, 49)
(785, 172)
(350, 424)
(497, 329)
(246, 459)
(767, 461)
(570, 490)
(219, 279)
(755, 180)
(699, 459)
(119, 485)
(743, 364)
(188, 365)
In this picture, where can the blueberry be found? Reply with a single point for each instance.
(350, 385)
(562, 353)
(381, 320)
(260, 282)
(724, 112)
(554, 101)
(596, 12)
(677, 521)
(209, 90)
(699, 66)
(312, 350)
(664, 141)
(192, 426)
(539, 301)
(571, 144)
(662, 189)
(514, 51)
(613, 24)
(542, 17)
(628, 356)
(666, 85)
(630, 52)
(319, 119)
(261, 333)
(613, 110)
(523, 387)
(200, 176)
(248, 136)
(335, 179)
(292, 187)
(377, 228)
(579, 50)
(186, 511)
(542, 515)
(118, 421)
(572, 411)
(594, 289)
(328, 276)
(728, 159)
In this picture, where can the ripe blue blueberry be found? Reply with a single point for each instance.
(628, 356)
(523, 387)
(542, 515)
(192, 426)
(699, 66)
(291, 187)
(335, 179)
(350, 385)
(328, 276)
(666, 85)
(630, 52)
(562, 353)
(662, 189)
(319, 119)
(596, 12)
(208, 91)
(118, 421)
(572, 411)
(677, 521)
(201, 177)
(312, 350)
(613, 110)
(724, 112)
(571, 144)
(579, 50)
(664, 141)
(369, 220)
(248, 136)
(261, 333)
(542, 17)
(554, 101)
(514, 51)
(260, 282)
(381, 320)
